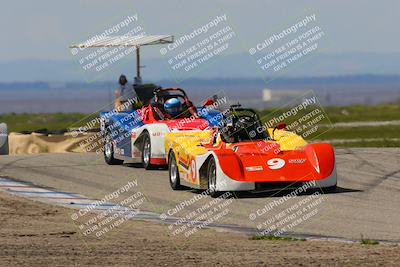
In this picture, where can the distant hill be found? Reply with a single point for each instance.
(229, 66)
(92, 97)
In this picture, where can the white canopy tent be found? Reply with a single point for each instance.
(127, 41)
(118, 41)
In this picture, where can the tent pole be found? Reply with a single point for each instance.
(138, 79)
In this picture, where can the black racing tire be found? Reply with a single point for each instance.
(146, 151)
(173, 172)
(212, 178)
(108, 151)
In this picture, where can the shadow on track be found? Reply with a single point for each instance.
(140, 166)
(281, 193)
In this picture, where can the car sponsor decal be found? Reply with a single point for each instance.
(276, 163)
(119, 151)
(254, 168)
(184, 165)
(193, 171)
(297, 161)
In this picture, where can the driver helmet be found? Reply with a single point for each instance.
(173, 106)
(122, 80)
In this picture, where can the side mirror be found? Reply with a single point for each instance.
(208, 102)
(280, 126)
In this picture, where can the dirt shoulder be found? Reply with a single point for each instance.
(35, 234)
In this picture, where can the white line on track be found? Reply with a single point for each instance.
(76, 201)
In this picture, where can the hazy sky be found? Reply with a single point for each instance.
(43, 29)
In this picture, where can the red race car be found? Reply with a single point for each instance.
(243, 156)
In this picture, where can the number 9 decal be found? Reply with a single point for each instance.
(193, 171)
(275, 163)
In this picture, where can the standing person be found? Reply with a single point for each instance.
(125, 95)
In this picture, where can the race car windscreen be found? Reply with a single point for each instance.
(162, 97)
(242, 126)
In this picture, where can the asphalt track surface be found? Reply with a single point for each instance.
(366, 203)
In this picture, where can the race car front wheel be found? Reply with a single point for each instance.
(212, 178)
(174, 179)
(109, 151)
(146, 151)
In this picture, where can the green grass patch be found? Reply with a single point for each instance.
(364, 241)
(359, 132)
(383, 136)
(383, 143)
(52, 121)
(383, 112)
(275, 238)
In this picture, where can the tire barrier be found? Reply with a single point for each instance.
(3, 139)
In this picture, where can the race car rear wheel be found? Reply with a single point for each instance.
(146, 151)
(173, 171)
(212, 178)
(109, 151)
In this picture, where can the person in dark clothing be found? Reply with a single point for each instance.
(125, 95)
